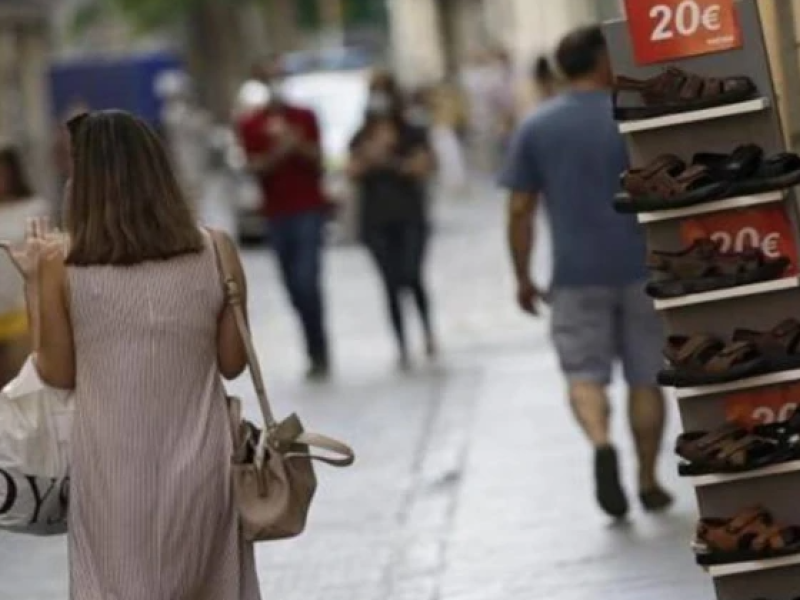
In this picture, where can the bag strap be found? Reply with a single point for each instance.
(233, 299)
(316, 440)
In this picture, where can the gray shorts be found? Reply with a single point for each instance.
(592, 327)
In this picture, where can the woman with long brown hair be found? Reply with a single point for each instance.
(132, 317)
(18, 204)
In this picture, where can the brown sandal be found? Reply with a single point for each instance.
(676, 91)
(703, 267)
(729, 449)
(667, 183)
(706, 360)
(751, 535)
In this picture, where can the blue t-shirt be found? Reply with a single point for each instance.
(571, 151)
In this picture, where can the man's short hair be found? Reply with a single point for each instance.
(579, 52)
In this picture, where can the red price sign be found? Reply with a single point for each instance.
(763, 406)
(769, 229)
(668, 30)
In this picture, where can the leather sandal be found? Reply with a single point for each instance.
(739, 166)
(667, 183)
(675, 91)
(751, 535)
(778, 172)
(703, 267)
(701, 359)
(729, 449)
(780, 345)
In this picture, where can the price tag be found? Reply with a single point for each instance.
(768, 228)
(763, 406)
(668, 30)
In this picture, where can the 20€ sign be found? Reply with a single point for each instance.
(667, 30)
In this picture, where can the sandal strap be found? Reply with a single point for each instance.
(729, 356)
(643, 180)
(734, 451)
(768, 537)
(785, 336)
(787, 327)
(700, 264)
(747, 518)
(693, 87)
(690, 175)
(694, 449)
(693, 346)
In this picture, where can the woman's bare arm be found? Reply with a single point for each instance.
(55, 350)
(231, 350)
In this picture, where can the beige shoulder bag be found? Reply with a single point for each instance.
(272, 470)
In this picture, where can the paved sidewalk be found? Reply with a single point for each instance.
(471, 482)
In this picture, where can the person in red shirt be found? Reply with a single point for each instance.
(282, 143)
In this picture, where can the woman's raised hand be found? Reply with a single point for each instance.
(42, 243)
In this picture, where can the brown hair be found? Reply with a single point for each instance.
(19, 187)
(124, 206)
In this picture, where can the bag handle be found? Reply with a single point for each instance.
(316, 440)
(233, 299)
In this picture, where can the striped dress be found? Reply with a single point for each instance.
(151, 514)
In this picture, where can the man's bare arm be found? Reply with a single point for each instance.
(522, 208)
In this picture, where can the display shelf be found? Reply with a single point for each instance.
(764, 287)
(753, 566)
(742, 384)
(730, 110)
(710, 207)
(722, 478)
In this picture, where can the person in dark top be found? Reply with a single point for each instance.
(283, 148)
(391, 163)
(544, 79)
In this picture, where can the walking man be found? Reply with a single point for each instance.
(569, 154)
(283, 147)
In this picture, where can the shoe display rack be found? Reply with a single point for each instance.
(751, 507)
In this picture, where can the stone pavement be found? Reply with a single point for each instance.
(471, 481)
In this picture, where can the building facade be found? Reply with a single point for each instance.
(24, 101)
(431, 38)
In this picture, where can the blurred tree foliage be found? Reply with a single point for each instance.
(217, 44)
(145, 15)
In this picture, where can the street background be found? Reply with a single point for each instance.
(472, 481)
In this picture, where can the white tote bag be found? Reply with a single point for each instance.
(35, 425)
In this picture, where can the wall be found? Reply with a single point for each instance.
(782, 29)
(24, 101)
(417, 52)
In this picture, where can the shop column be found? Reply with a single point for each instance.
(417, 53)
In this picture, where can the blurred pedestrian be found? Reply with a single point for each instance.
(18, 205)
(62, 157)
(503, 100)
(571, 153)
(133, 318)
(187, 129)
(283, 147)
(391, 162)
(447, 118)
(544, 79)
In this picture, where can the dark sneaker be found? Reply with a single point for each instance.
(656, 499)
(610, 495)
